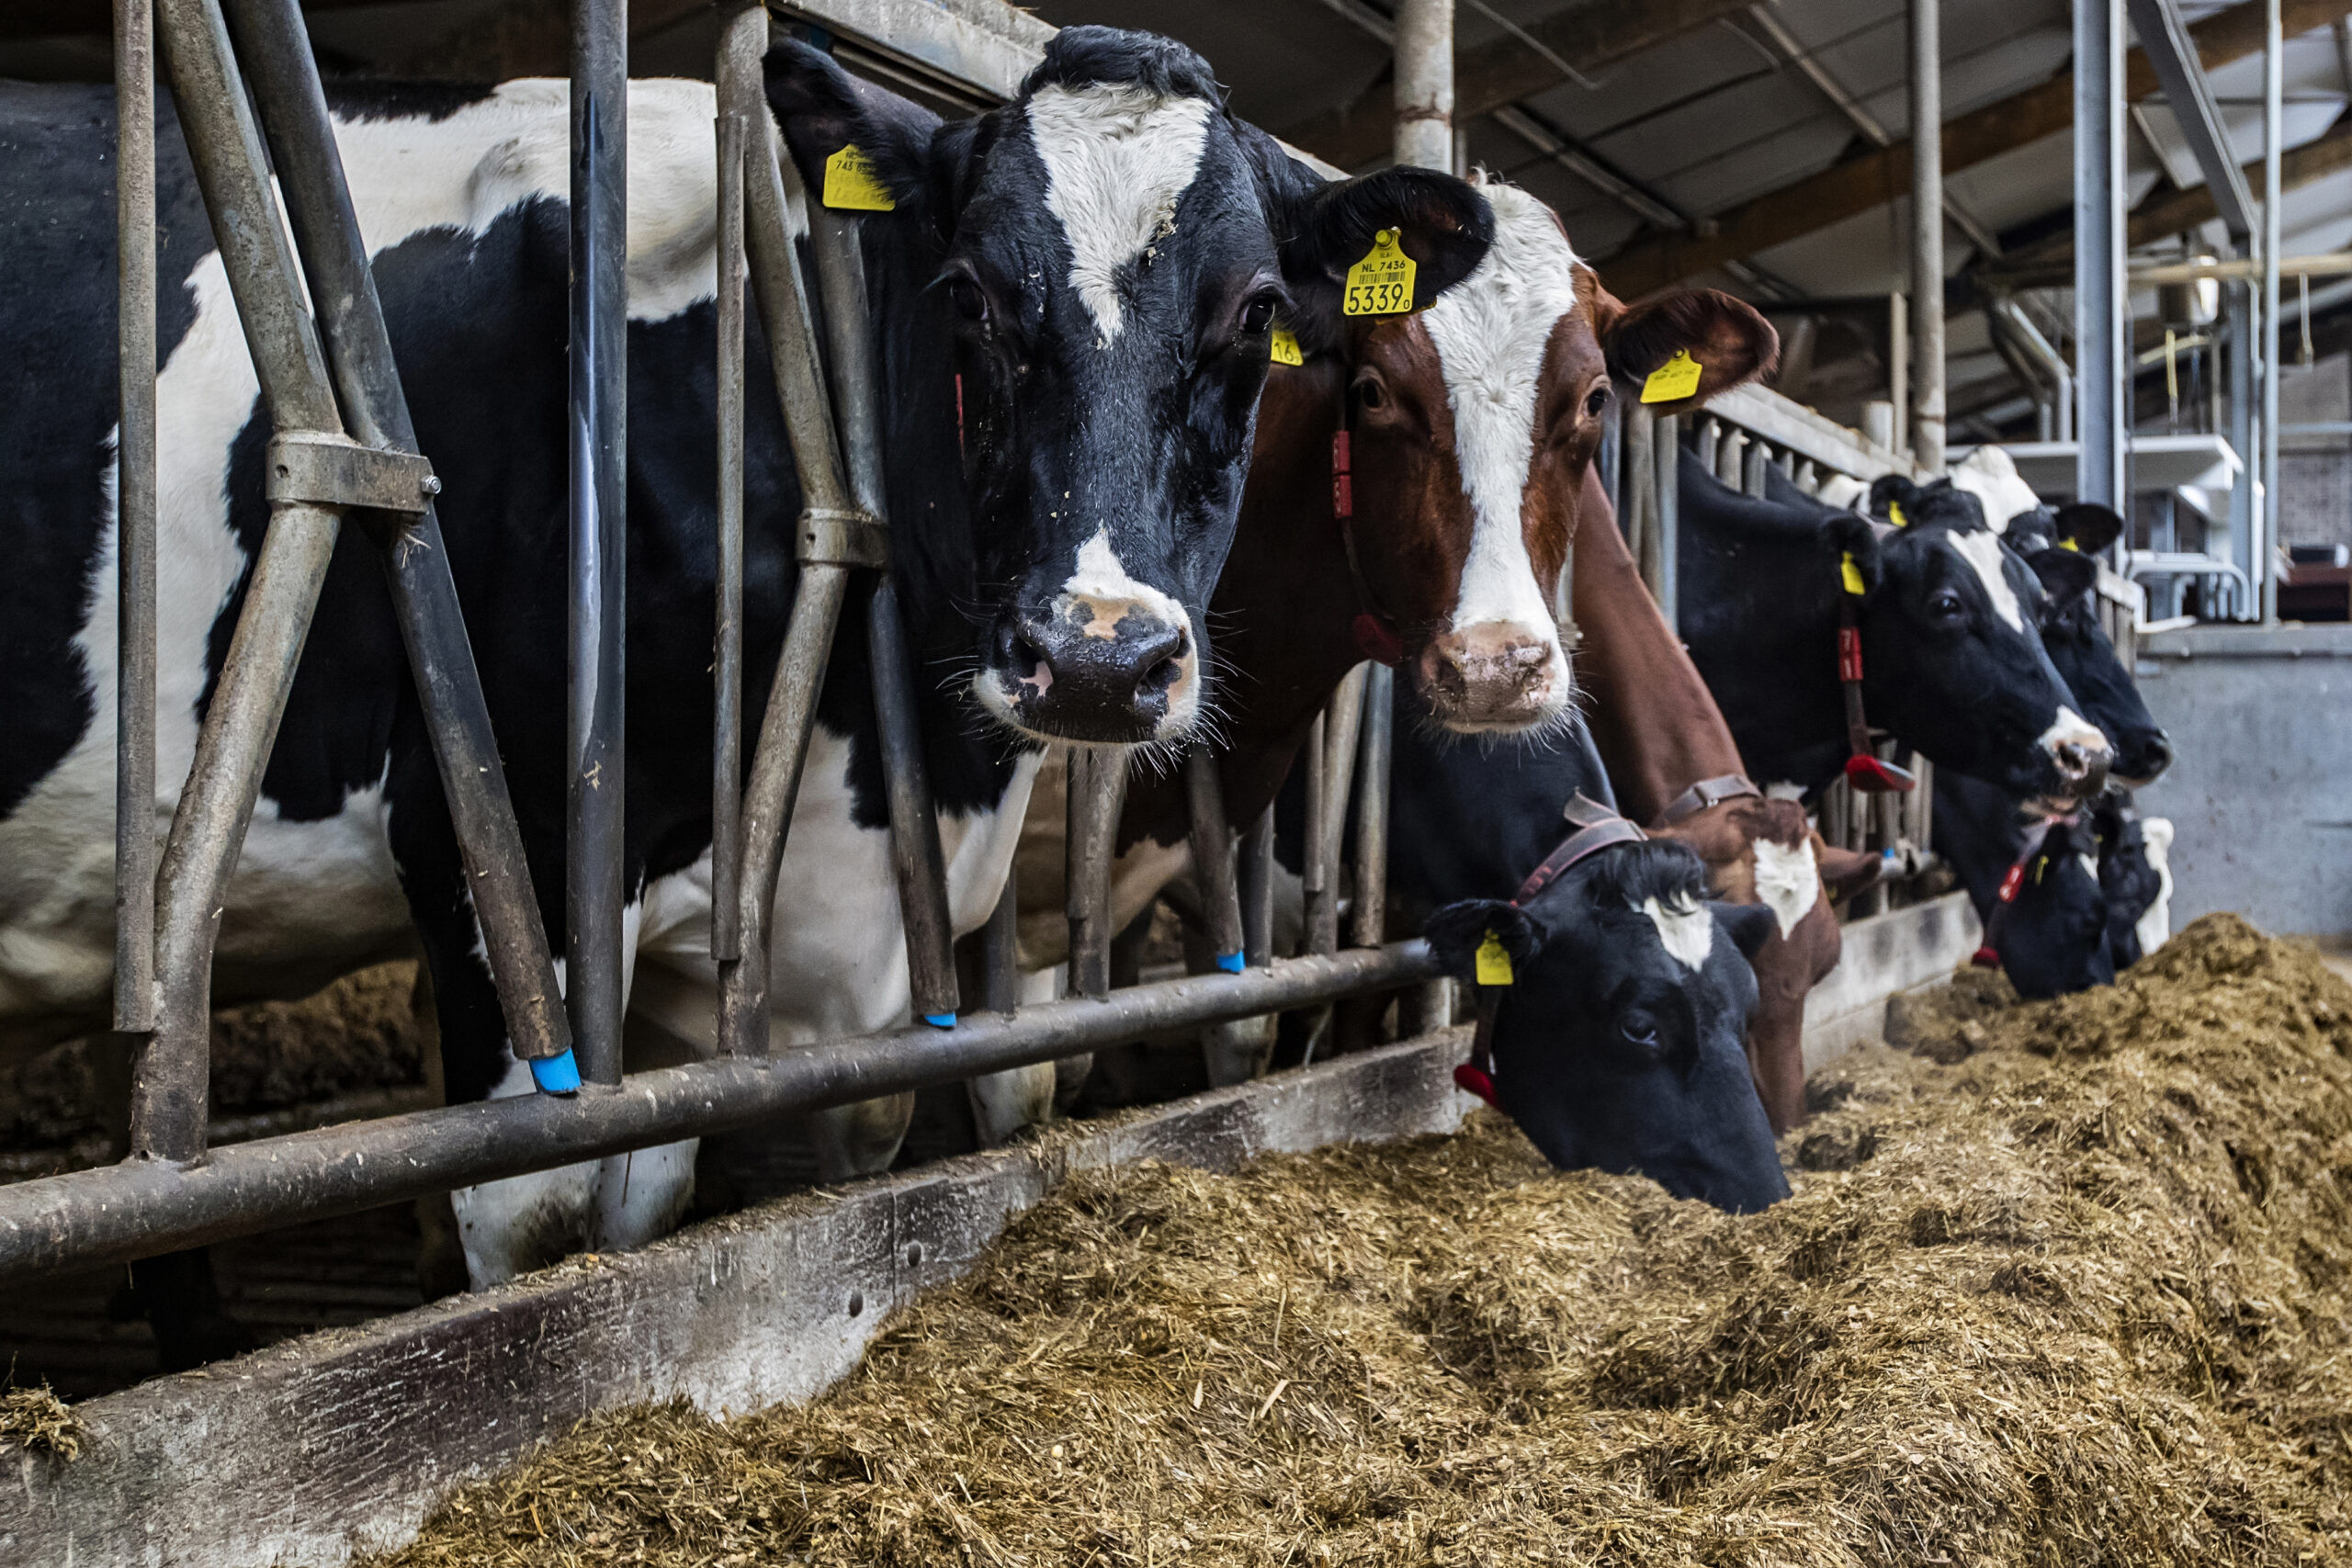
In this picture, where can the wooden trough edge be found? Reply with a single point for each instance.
(342, 1442)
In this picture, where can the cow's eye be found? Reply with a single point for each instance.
(1639, 1032)
(971, 300)
(1596, 402)
(1946, 605)
(1258, 315)
(1370, 394)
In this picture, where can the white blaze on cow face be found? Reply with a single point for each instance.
(1990, 475)
(1118, 158)
(1687, 933)
(1787, 880)
(1490, 331)
(2071, 729)
(1982, 551)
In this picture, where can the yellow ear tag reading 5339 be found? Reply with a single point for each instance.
(1284, 349)
(1851, 575)
(1494, 963)
(1677, 378)
(1381, 284)
(852, 185)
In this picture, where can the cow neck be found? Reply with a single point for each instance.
(2013, 883)
(1653, 720)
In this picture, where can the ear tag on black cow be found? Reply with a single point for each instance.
(1677, 378)
(1851, 575)
(852, 185)
(1494, 962)
(1284, 348)
(1895, 514)
(2070, 545)
(1381, 284)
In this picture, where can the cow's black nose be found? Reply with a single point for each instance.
(1122, 673)
(2150, 758)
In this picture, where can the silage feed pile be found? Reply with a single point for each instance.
(2076, 1296)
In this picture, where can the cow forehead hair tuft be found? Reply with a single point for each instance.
(1092, 56)
(1657, 868)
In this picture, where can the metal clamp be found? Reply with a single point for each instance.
(334, 470)
(832, 538)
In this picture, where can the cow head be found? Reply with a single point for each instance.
(2062, 549)
(1112, 250)
(1471, 427)
(2050, 926)
(1954, 660)
(1621, 1042)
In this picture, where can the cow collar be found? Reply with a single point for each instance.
(1375, 630)
(1707, 793)
(1596, 828)
(1864, 770)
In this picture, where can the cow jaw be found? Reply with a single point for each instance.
(1499, 665)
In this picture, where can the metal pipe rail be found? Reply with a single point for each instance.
(92, 1218)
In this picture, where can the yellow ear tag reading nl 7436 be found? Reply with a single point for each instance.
(1851, 575)
(1381, 284)
(852, 185)
(1284, 349)
(1677, 378)
(1494, 963)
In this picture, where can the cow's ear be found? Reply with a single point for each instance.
(1728, 340)
(2065, 575)
(1889, 491)
(2088, 526)
(1849, 538)
(1325, 227)
(1457, 932)
(821, 108)
(1749, 925)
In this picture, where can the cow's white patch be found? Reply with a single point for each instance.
(1689, 932)
(1118, 158)
(2155, 927)
(1990, 475)
(2071, 729)
(2089, 867)
(1784, 789)
(1099, 578)
(1982, 551)
(1489, 331)
(1788, 881)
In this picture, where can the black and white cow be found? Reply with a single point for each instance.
(1620, 1042)
(1952, 661)
(1089, 274)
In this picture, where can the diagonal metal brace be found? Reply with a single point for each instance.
(334, 470)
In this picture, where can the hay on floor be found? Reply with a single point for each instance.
(2075, 1297)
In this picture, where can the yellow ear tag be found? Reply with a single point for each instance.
(2070, 545)
(1494, 963)
(1285, 350)
(1381, 284)
(1851, 575)
(852, 185)
(1677, 378)
(1895, 514)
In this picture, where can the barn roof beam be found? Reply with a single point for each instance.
(2163, 37)
(1588, 35)
(1861, 184)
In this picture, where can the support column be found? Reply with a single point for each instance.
(2099, 298)
(1425, 84)
(1927, 235)
(2263, 568)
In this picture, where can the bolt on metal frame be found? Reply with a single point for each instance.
(345, 445)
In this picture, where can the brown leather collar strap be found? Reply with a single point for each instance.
(1707, 793)
(1598, 828)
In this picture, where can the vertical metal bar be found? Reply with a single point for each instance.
(1340, 737)
(1212, 868)
(1315, 863)
(277, 49)
(1753, 462)
(596, 738)
(916, 858)
(1370, 913)
(1898, 371)
(1098, 788)
(2264, 568)
(1667, 445)
(1637, 490)
(727, 659)
(1927, 235)
(134, 755)
(1000, 952)
(1425, 84)
(2100, 300)
(1256, 875)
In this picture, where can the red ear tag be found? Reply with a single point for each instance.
(959, 413)
(1850, 653)
(1377, 641)
(1872, 776)
(1986, 958)
(1470, 1080)
(1344, 492)
(2012, 882)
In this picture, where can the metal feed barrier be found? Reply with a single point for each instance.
(252, 107)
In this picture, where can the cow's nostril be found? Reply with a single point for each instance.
(1160, 676)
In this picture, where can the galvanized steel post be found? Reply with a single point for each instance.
(2100, 352)
(1926, 236)
(134, 757)
(2263, 570)
(1425, 84)
(727, 655)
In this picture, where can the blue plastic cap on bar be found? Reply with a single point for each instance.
(1229, 961)
(557, 1074)
(940, 1019)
